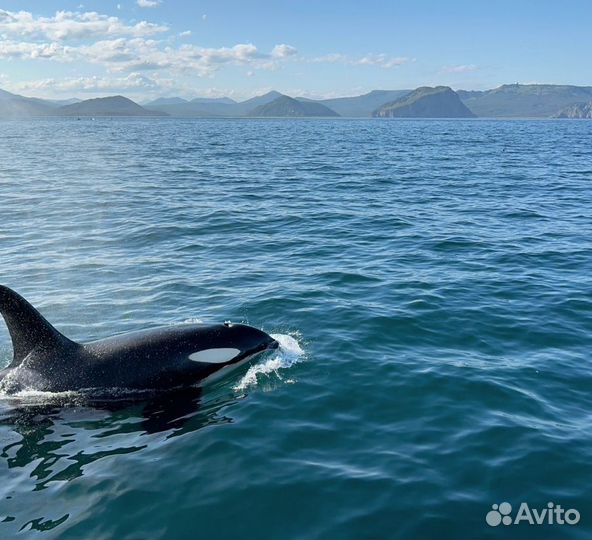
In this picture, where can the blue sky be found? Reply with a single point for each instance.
(323, 48)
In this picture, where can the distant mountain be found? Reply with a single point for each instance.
(468, 94)
(6, 95)
(510, 100)
(107, 106)
(426, 102)
(225, 100)
(214, 107)
(525, 100)
(285, 106)
(53, 103)
(245, 107)
(578, 110)
(195, 109)
(355, 106)
(16, 106)
(364, 105)
(165, 101)
(61, 102)
(22, 109)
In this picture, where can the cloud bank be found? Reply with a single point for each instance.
(124, 53)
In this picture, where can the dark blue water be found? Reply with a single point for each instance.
(430, 282)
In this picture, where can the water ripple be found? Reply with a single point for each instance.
(437, 276)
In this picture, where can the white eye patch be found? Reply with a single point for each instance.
(214, 356)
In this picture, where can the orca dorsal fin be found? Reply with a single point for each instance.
(28, 329)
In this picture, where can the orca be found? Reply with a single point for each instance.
(161, 358)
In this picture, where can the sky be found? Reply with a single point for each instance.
(324, 48)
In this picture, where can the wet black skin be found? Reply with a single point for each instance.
(46, 360)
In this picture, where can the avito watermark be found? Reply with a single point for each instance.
(553, 514)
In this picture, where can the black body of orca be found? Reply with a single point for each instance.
(161, 358)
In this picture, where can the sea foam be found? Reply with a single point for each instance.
(289, 353)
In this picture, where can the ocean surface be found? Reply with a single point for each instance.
(430, 283)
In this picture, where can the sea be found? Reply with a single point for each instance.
(430, 284)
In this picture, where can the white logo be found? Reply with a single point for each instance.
(499, 514)
(553, 514)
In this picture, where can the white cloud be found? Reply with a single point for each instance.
(380, 60)
(141, 54)
(134, 85)
(333, 58)
(25, 50)
(120, 48)
(464, 68)
(67, 25)
(241, 52)
(133, 81)
(148, 3)
(283, 51)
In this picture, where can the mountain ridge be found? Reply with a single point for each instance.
(524, 100)
(363, 105)
(505, 101)
(107, 106)
(286, 106)
(426, 102)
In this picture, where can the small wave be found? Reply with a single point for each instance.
(289, 353)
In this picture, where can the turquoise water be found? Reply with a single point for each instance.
(430, 282)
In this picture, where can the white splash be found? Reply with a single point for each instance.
(31, 397)
(191, 320)
(289, 353)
